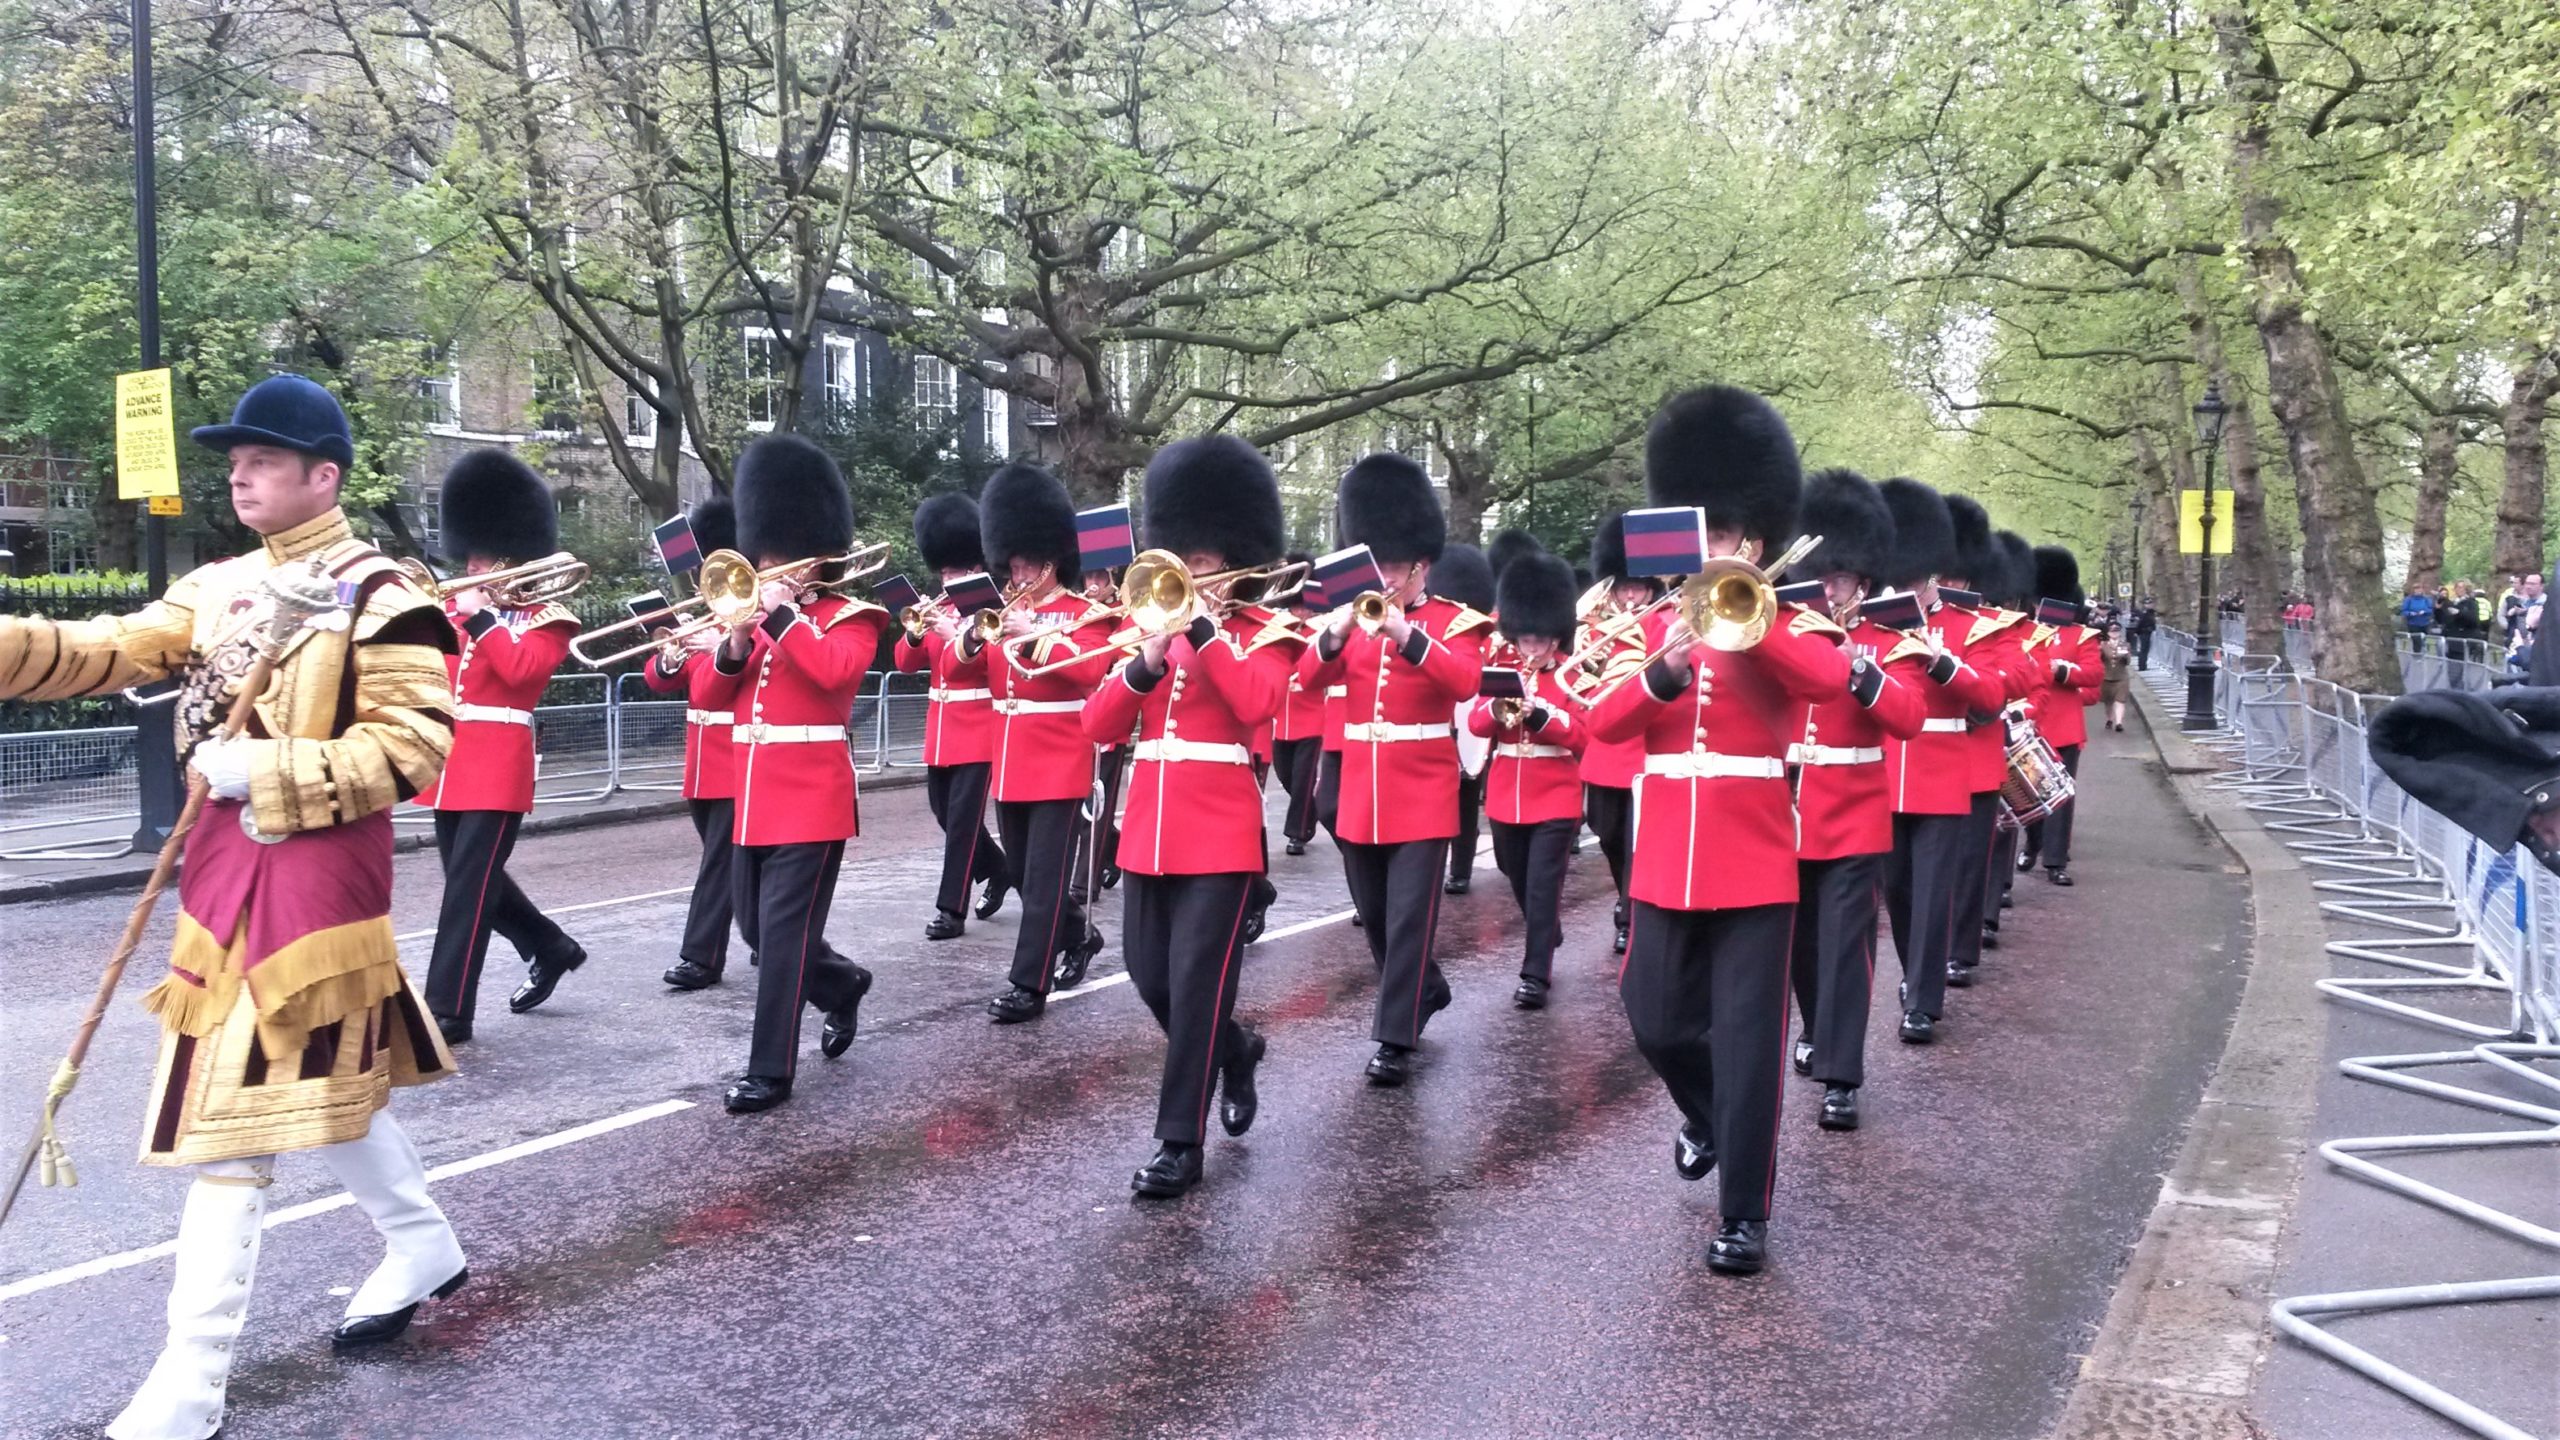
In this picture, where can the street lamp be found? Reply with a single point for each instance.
(2200, 670)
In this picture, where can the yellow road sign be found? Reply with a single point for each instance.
(168, 505)
(2191, 522)
(146, 436)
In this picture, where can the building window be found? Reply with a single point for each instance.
(995, 432)
(937, 392)
(764, 377)
(440, 390)
(848, 378)
(558, 408)
(639, 418)
(1034, 413)
(69, 551)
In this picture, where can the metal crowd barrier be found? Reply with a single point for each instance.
(2459, 920)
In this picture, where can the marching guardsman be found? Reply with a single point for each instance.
(2011, 594)
(1399, 785)
(2065, 652)
(1533, 793)
(959, 724)
(1044, 765)
(1463, 576)
(1297, 736)
(1981, 571)
(1609, 635)
(1930, 775)
(1844, 811)
(1191, 846)
(793, 668)
(710, 774)
(1105, 536)
(495, 512)
(285, 1018)
(1705, 979)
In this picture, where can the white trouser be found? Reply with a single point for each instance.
(218, 1237)
(382, 1171)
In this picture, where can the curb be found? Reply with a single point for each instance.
(2188, 1329)
(138, 867)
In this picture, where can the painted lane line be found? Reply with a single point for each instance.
(106, 1264)
(429, 932)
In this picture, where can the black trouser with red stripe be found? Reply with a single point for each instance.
(782, 893)
(1834, 964)
(1184, 945)
(1981, 838)
(1922, 880)
(1462, 850)
(1040, 844)
(2050, 838)
(1532, 857)
(479, 897)
(957, 795)
(1706, 994)
(1297, 762)
(1098, 837)
(1328, 789)
(2002, 870)
(1610, 811)
(707, 915)
(1396, 888)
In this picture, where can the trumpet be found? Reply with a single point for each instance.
(1728, 605)
(1509, 711)
(1369, 608)
(728, 589)
(554, 577)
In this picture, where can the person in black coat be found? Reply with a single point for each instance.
(2489, 763)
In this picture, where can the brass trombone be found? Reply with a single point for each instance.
(727, 589)
(1158, 594)
(555, 576)
(1728, 605)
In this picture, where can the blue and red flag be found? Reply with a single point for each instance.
(681, 553)
(1808, 593)
(1670, 541)
(1346, 575)
(972, 593)
(1895, 610)
(897, 593)
(1961, 599)
(2057, 613)
(1104, 540)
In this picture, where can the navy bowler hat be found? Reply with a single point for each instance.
(286, 410)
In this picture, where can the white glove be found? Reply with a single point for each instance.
(224, 764)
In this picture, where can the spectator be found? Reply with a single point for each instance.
(2518, 604)
(2115, 674)
(2418, 614)
(2146, 619)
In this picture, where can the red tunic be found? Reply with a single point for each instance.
(1932, 772)
(1715, 824)
(1038, 747)
(1302, 711)
(499, 671)
(793, 693)
(1614, 764)
(710, 760)
(1399, 751)
(1194, 808)
(2060, 707)
(1998, 643)
(1532, 776)
(959, 714)
(1843, 803)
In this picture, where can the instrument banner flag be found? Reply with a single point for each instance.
(1670, 541)
(1104, 538)
(1895, 610)
(1961, 599)
(1501, 683)
(1346, 575)
(677, 547)
(972, 593)
(897, 593)
(2057, 613)
(649, 604)
(1808, 593)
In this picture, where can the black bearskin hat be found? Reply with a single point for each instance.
(1511, 543)
(2058, 575)
(1856, 527)
(792, 504)
(714, 520)
(2017, 570)
(947, 533)
(1609, 549)
(494, 507)
(1306, 596)
(1216, 494)
(1977, 554)
(1726, 451)
(1534, 596)
(1924, 534)
(1464, 574)
(1024, 513)
(1386, 503)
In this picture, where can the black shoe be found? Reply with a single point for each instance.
(1239, 1103)
(1254, 920)
(1692, 1154)
(374, 1329)
(691, 975)
(993, 900)
(1110, 877)
(836, 1036)
(1294, 847)
(1456, 885)
(1918, 1028)
(1839, 1107)
(2007, 900)
(1959, 977)
(1017, 1005)
(946, 925)
(1803, 1058)
(1530, 993)
(1175, 1169)
(1741, 1247)
(1067, 971)
(2059, 876)
(542, 976)
(1435, 1000)
(1258, 913)
(755, 1092)
(1356, 922)
(1991, 922)
(1990, 937)
(1391, 1066)
(2026, 862)
(1618, 946)
(454, 1029)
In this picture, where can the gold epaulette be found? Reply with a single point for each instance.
(1276, 628)
(1808, 621)
(388, 592)
(1910, 646)
(1987, 625)
(551, 614)
(853, 608)
(2041, 634)
(1468, 618)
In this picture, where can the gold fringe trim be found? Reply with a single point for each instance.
(322, 977)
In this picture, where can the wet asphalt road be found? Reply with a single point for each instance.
(936, 1235)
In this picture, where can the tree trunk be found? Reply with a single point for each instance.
(116, 525)
(2352, 645)
(1470, 485)
(2253, 559)
(2163, 578)
(2439, 454)
(2518, 547)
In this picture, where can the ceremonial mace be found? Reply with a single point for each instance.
(302, 597)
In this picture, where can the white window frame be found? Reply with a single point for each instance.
(764, 394)
(639, 418)
(934, 391)
(995, 423)
(847, 373)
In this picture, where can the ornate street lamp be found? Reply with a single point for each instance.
(2210, 412)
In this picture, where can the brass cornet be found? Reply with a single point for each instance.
(554, 577)
(1369, 609)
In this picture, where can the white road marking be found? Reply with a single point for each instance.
(106, 1264)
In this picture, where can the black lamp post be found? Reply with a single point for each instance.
(2200, 670)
